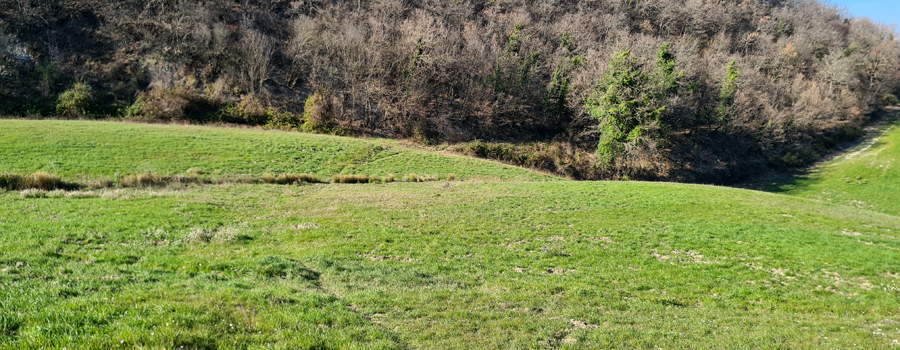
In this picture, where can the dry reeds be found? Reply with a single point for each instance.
(288, 179)
(268, 178)
(43, 181)
(352, 179)
(151, 180)
(140, 180)
(39, 180)
(46, 181)
(418, 178)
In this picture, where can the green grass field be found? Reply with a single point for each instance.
(865, 177)
(513, 264)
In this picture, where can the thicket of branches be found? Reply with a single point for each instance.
(712, 89)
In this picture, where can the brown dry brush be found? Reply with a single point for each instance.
(38, 180)
(517, 71)
(49, 182)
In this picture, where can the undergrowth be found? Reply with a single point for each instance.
(557, 158)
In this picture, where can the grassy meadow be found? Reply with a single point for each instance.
(516, 262)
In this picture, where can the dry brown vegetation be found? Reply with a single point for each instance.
(511, 71)
(43, 181)
(38, 180)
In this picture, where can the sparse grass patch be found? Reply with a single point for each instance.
(268, 178)
(412, 178)
(277, 267)
(420, 178)
(223, 234)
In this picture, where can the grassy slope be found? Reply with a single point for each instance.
(434, 265)
(71, 148)
(868, 177)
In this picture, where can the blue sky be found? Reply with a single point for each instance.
(886, 11)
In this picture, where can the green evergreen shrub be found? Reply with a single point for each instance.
(75, 102)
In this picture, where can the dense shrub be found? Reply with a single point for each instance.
(316, 113)
(172, 105)
(281, 120)
(75, 102)
(249, 111)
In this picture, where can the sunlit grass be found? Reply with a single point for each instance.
(423, 265)
(288, 263)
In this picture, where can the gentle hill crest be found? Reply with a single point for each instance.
(75, 148)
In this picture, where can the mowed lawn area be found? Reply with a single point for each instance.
(504, 258)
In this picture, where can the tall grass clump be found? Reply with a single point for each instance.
(268, 178)
(46, 181)
(39, 180)
(289, 179)
(419, 178)
(151, 180)
(352, 179)
(141, 180)
(11, 181)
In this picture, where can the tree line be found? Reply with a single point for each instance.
(687, 90)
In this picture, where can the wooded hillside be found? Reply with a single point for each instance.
(685, 90)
